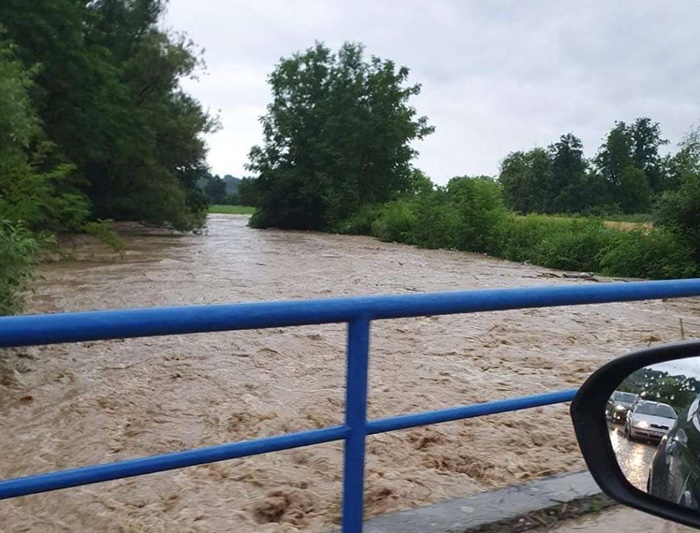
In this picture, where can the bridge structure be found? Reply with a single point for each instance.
(358, 313)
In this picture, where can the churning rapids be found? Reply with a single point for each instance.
(71, 405)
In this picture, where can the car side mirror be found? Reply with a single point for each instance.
(650, 457)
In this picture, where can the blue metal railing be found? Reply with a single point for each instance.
(358, 313)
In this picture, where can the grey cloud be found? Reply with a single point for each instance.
(496, 76)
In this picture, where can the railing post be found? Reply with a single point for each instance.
(356, 420)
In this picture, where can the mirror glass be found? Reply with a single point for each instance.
(654, 427)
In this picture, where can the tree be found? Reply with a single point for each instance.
(615, 162)
(679, 211)
(646, 140)
(247, 192)
(33, 195)
(108, 96)
(630, 163)
(215, 189)
(336, 137)
(34, 188)
(526, 181)
(569, 194)
(684, 163)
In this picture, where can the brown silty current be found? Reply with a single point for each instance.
(94, 402)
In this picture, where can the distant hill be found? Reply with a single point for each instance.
(231, 184)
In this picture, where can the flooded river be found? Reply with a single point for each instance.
(72, 405)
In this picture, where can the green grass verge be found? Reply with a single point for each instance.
(638, 218)
(231, 210)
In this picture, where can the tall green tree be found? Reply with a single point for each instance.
(679, 167)
(630, 162)
(646, 141)
(526, 181)
(108, 96)
(569, 177)
(36, 188)
(35, 196)
(337, 136)
(628, 183)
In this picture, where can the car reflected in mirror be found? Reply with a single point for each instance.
(618, 405)
(651, 444)
(637, 420)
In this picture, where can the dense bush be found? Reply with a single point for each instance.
(479, 205)
(656, 254)
(679, 211)
(361, 222)
(437, 222)
(469, 215)
(574, 246)
(19, 252)
(570, 244)
(396, 223)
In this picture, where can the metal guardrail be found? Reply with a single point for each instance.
(358, 313)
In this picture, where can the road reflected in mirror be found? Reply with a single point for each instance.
(654, 427)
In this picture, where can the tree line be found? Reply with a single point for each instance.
(227, 190)
(627, 175)
(337, 155)
(93, 125)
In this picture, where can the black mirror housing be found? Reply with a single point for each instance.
(588, 412)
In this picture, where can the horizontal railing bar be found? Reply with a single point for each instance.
(86, 475)
(468, 411)
(102, 325)
(148, 465)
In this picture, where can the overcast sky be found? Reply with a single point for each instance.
(497, 76)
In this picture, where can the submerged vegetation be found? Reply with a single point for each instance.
(93, 127)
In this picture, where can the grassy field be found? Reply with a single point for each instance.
(639, 218)
(231, 210)
(627, 226)
(619, 222)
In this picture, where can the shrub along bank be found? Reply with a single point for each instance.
(468, 214)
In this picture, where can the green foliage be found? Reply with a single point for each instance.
(336, 137)
(215, 190)
(107, 96)
(526, 180)
(568, 174)
(679, 211)
(93, 124)
(102, 230)
(361, 222)
(678, 391)
(565, 243)
(231, 210)
(556, 180)
(624, 176)
(630, 164)
(436, 221)
(247, 193)
(396, 223)
(479, 206)
(19, 253)
(655, 254)
(469, 215)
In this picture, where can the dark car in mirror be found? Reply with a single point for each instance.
(674, 474)
(620, 402)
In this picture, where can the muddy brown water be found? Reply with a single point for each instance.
(71, 405)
